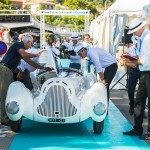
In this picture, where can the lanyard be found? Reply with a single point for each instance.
(73, 47)
(140, 45)
(135, 51)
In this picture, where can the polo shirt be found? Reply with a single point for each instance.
(12, 57)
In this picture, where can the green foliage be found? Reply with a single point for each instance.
(42, 7)
(5, 2)
(81, 4)
(75, 4)
(50, 37)
(59, 1)
(73, 21)
(65, 21)
(6, 5)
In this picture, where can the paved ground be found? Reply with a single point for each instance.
(118, 97)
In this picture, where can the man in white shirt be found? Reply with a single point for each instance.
(24, 69)
(101, 59)
(88, 42)
(136, 27)
(75, 60)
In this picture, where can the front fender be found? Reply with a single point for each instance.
(19, 101)
(95, 95)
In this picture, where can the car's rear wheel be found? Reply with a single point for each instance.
(98, 127)
(16, 125)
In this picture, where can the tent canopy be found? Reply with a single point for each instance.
(109, 26)
(146, 11)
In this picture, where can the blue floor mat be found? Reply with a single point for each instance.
(79, 136)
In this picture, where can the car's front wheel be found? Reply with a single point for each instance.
(98, 127)
(16, 125)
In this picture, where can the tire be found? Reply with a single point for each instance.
(98, 127)
(16, 125)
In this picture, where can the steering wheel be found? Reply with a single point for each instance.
(71, 70)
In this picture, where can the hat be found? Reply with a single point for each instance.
(78, 48)
(75, 36)
(134, 39)
(135, 25)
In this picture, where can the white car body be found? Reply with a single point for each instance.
(66, 98)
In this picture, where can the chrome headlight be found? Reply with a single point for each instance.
(99, 109)
(12, 107)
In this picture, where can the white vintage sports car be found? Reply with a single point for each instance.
(65, 97)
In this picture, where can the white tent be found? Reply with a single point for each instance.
(146, 11)
(108, 28)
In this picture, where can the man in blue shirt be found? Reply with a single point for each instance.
(101, 59)
(8, 65)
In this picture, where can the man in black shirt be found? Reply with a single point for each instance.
(9, 63)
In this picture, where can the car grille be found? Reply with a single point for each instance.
(56, 103)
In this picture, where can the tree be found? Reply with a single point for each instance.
(6, 5)
(59, 1)
(75, 4)
(92, 9)
(5, 2)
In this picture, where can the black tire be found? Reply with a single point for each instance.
(98, 127)
(16, 125)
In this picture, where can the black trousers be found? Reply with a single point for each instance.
(109, 74)
(139, 106)
(134, 76)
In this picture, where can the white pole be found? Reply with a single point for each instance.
(23, 3)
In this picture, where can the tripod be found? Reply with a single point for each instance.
(119, 81)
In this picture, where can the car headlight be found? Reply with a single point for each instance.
(12, 107)
(99, 109)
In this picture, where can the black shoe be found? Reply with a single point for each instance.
(133, 132)
(5, 123)
(131, 111)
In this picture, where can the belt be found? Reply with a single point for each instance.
(6, 66)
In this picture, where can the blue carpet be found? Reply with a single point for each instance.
(41, 136)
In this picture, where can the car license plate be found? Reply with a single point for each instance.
(56, 120)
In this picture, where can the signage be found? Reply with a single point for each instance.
(66, 12)
(3, 48)
(14, 18)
